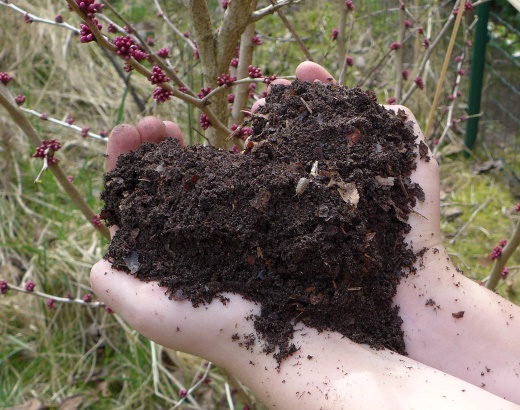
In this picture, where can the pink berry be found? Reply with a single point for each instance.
(420, 83)
(203, 92)
(108, 310)
(270, 79)
(224, 4)
(51, 303)
(19, 99)
(461, 71)
(125, 46)
(161, 95)
(5, 78)
(70, 120)
(226, 79)
(505, 272)
(391, 100)
(58, 18)
(408, 24)
(3, 287)
(27, 18)
(463, 118)
(350, 5)
(420, 30)
(182, 393)
(231, 98)
(234, 62)
(29, 286)
(254, 72)
(163, 52)
(458, 59)
(517, 207)
(87, 298)
(204, 121)
(426, 43)
(84, 132)
(350, 61)
(112, 28)
(47, 150)
(257, 41)
(395, 45)
(158, 77)
(89, 7)
(404, 73)
(334, 34)
(70, 178)
(96, 221)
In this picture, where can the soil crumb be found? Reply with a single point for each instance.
(308, 222)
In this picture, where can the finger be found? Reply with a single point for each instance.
(151, 129)
(123, 138)
(309, 71)
(174, 131)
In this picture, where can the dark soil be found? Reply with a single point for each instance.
(308, 222)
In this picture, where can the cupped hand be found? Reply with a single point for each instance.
(328, 371)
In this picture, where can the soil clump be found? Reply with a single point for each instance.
(308, 222)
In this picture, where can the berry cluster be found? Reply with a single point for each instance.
(420, 83)
(29, 286)
(226, 79)
(404, 73)
(47, 150)
(270, 79)
(254, 72)
(19, 99)
(3, 287)
(350, 5)
(158, 77)
(241, 132)
(203, 92)
(334, 34)
(161, 95)
(5, 78)
(234, 62)
(163, 52)
(89, 7)
(205, 123)
(257, 41)
(497, 250)
(85, 33)
(125, 46)
(96, 221)
(396, 45)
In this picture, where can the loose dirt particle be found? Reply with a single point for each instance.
(203, 221)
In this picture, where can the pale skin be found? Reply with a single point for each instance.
(453, 363)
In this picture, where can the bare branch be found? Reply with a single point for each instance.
(172, 26)
(259, 14)
(245, 59)
(6, 100)
(295, 35)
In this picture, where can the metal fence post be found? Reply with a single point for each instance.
(477, 74)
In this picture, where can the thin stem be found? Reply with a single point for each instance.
(444, 68)
(36, 19)
(295, 35)
(172, 26)
(399, 56)
(244, 60)
(259, 14)
(59, 299)
(426, 57)
(6, 100)
(500, 262)
(64, 124)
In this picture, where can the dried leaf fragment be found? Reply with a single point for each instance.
(348, 192)
(458, 315)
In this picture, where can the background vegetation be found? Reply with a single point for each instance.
(74, 355)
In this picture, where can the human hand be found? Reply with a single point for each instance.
(334, 369)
